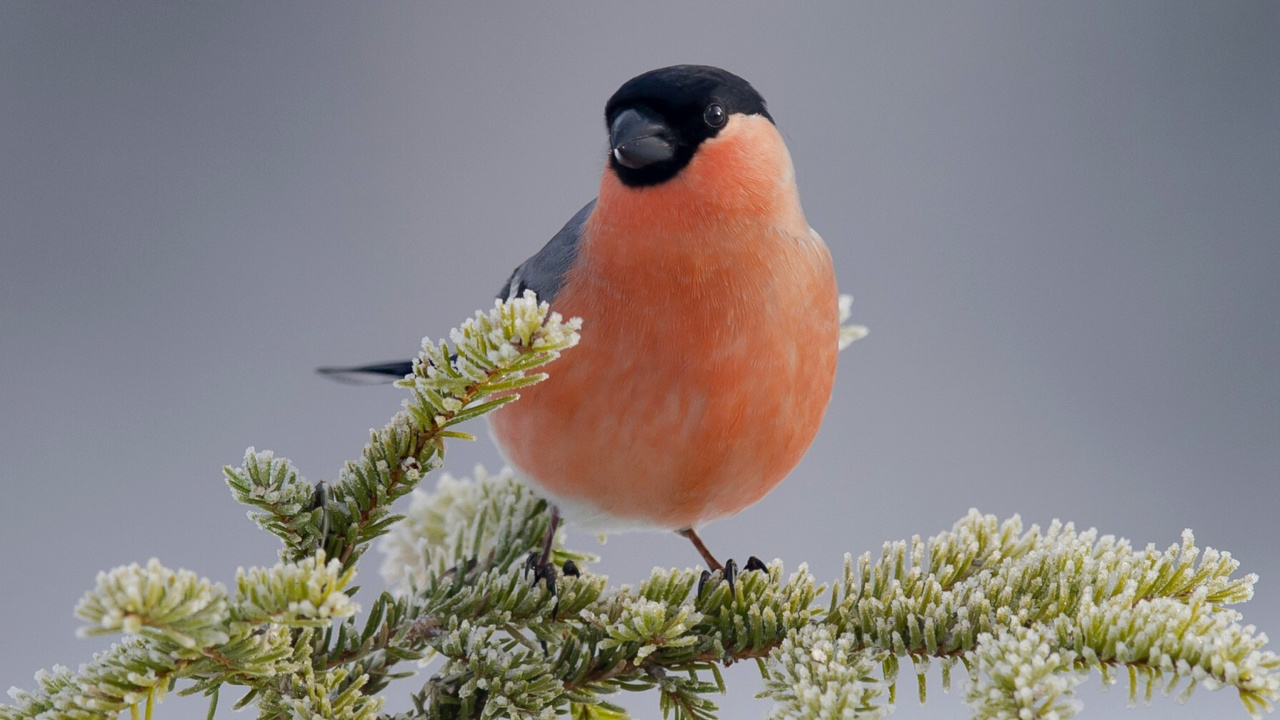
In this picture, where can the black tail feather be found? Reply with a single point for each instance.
(377, 374)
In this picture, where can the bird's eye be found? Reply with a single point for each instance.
(714, 115)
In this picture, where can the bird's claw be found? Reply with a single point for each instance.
(730, 575)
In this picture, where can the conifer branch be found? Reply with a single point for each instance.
(1028, 613)
(495, 353)
(988, 594)
(179, 626)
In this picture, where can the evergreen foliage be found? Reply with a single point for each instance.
(1027, 613)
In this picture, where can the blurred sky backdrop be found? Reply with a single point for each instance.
(1060, 220)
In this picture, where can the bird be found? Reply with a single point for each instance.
(710, 320)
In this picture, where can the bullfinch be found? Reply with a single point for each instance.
(710, 319)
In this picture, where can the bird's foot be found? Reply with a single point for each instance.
(729, 573)
(544, 569)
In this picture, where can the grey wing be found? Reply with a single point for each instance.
(544, 272)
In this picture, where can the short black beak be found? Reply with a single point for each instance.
(639, 139)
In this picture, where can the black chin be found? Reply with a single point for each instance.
(654, 174)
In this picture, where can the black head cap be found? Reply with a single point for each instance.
(674, 109)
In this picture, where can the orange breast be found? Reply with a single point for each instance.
(708, 346)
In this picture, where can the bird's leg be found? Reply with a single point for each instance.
(540, 563)
(542, 567)
(550, 539)
(320, 501)
(712, 562)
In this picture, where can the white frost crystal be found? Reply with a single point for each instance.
(303, 593)
(156, 601)
(1020, 678)
(439, 525)
(818, 675)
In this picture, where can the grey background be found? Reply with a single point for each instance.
(1060, 222)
